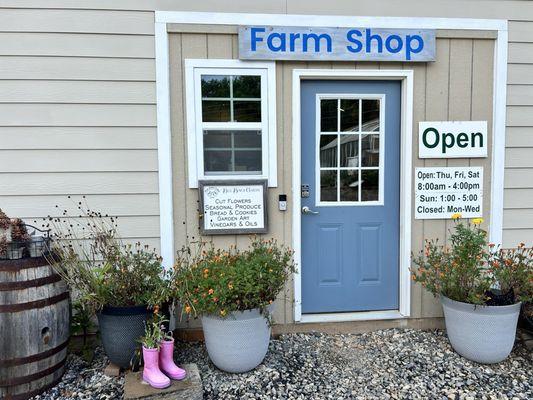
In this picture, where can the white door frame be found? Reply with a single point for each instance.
(162, 18)
(405, 76)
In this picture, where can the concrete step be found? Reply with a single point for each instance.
(188, 389)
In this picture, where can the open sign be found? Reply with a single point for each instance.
(452, 139)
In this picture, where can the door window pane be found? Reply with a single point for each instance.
(248, 86)
(349, 115)
(232, 151)
(328, 151)
(349, 188)
(246, 111)
(370, 185)
(350, 151)
(328, 185)
(328, 115)
(215, 86)
(370, 116)
(370, 150)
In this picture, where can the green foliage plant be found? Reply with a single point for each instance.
(209, 281)
(98, 267)
(469, 269)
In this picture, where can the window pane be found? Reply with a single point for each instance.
(328, 115)
(349, 115)
(215, 86)
(370, 150)
(328, 150)
(349, 185)
(247, 86)
(215, 111)
(217, 139)
(247, 111)
(370, 116)
(217, 161)
(248, 161)
(350, 151)
(370, 185)
(247, 139)
(328, 185)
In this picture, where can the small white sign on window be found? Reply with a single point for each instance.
(441, 192)
(233, 207)
(452, 139)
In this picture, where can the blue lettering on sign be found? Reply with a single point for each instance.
(336, 43)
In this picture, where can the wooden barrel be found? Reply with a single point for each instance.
(34, 327)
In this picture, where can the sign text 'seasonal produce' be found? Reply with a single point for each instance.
(344, 44)
(441, 192)
(233, 207)
(452, 139)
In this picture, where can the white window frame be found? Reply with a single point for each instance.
(194, 69)
(381, 166)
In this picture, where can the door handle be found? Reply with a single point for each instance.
(307, 210)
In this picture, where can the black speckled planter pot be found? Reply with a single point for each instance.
(120, 330)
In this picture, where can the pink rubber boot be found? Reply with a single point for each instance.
(166, 361)
(151, 372)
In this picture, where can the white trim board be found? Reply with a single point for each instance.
(215, 18)
(406, 149)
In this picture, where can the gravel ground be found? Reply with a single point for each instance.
(387, 364)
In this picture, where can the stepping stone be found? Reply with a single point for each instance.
(188, 389)
(112, 370)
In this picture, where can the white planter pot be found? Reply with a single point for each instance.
(484, 334)
(239, 342)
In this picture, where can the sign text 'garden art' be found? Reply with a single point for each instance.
(344, 44)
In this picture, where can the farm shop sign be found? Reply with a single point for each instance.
(452, 139)
(342, 44)
(441, 192)
(233, 207)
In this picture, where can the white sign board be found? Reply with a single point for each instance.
(441, 192)
(233, 207)
(452, 139)
(330, 43)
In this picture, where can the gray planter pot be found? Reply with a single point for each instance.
(120, 331)
(239, 342)
(484, 334)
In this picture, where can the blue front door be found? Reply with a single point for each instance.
(350, 195)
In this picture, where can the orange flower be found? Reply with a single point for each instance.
(188, 309)
(156, 309)
(211, 291)
(206, 271)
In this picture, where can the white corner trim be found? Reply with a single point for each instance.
(164, 146)
(406, 77)
(193, 104)
(499, 113)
